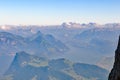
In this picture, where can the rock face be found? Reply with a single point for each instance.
(115, 72)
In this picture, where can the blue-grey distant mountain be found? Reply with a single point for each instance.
(29, 67)
(38, 44)
(47, 44)
(97, 42)
(87, 43)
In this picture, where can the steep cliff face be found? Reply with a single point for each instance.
(115, 72)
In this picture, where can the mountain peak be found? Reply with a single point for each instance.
(118, 47)
(37, 37)
(21, 57)
(39, 33)
(22, 53)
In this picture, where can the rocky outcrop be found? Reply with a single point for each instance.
(115, 72)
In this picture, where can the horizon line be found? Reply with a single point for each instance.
(59, 24)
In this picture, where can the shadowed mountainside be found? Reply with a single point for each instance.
(115, 72)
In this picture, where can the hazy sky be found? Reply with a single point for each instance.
(48, 12)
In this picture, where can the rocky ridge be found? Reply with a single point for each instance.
(115, 72)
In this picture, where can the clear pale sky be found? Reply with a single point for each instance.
(48, 12)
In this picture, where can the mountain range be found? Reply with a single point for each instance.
(29, 67)
(38, 44)
(84, 43)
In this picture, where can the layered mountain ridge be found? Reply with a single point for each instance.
(38, 44)
(88, 43)
(30, 67)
